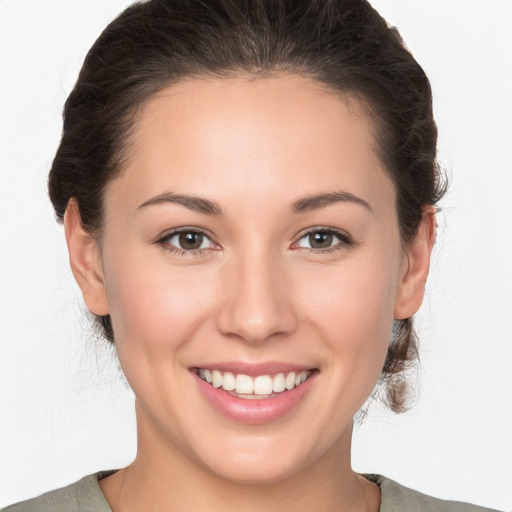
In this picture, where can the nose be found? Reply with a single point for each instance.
(257, 303)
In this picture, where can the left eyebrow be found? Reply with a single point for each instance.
(318, 201)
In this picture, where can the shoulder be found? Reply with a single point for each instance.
(82, 496)
(396, 497)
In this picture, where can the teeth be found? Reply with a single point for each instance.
(228, 382)
(262, 385)
(244, 384)
(279, 383)
(290, 381)
(217, 379)
(300, 378)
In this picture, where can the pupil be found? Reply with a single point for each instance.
(320, 240)
(190, 240)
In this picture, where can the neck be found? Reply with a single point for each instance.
(163, 477)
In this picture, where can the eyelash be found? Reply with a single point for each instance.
(164, 242)
(345, 241)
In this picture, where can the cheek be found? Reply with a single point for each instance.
(155, 308)
(358, 297)
(353, 309)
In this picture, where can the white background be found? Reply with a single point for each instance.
(64, 411)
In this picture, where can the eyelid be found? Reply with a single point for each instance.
(162, 240)
(344, 237)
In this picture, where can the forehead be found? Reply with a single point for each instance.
(242, 136)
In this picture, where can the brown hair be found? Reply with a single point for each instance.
(343, 44)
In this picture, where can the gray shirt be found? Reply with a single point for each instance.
(86, 496)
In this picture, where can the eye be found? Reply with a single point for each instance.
(322, 239)
(187, 240)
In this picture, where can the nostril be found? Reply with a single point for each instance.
(255, 326)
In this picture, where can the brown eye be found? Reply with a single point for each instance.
(187, 241)
(190, 240)
(323, 239)
(320, 240)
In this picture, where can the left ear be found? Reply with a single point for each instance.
(415, 267)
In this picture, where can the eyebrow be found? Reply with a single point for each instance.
(318, 201)
(197, 204)
(205, 206)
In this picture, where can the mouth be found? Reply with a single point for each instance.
(256, 387)
(255, 393)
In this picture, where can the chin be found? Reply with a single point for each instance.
(271, 457)
(243, 469)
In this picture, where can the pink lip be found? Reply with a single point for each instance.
(254, 412)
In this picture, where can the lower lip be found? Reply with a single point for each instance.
(256, 411)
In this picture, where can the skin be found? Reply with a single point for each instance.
(255, 293)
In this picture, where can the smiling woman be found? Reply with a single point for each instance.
(248, 193)
(250, 297)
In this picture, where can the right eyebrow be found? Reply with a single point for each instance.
(194, 203)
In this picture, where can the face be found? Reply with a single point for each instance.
(251, 241)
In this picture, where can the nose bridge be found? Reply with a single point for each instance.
(256, 303)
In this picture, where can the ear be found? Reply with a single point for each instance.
(415, 267)
(85, 260)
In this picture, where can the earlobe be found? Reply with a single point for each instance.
(85, 260)
(416, 267)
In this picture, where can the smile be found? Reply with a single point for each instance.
(257, 387)
(254, 394)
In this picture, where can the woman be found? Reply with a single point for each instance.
(248, 196)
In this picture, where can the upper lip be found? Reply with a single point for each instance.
(254, 369)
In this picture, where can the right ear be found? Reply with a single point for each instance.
(85, 260)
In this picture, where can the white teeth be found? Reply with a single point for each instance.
(216, 379)
(300, 378)
(229, 382)
(262, 385)
(244, 384)
(290, 381)
(278, 383)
